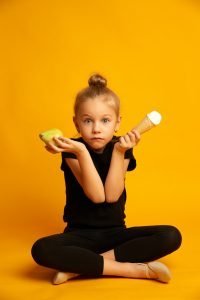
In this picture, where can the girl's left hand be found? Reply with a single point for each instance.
(129, 140)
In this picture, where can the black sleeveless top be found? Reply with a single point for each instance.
(80, 211)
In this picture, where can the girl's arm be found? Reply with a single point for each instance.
(115, 179)
(90, 181)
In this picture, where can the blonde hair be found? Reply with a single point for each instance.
(97, 87)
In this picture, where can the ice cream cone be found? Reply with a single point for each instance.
(151, 120)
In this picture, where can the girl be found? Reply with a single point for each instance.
(96, 240)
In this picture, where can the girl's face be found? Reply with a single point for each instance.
(96, 121)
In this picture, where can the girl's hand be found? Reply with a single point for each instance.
(65, 145)
(50, 149)
(129, 140)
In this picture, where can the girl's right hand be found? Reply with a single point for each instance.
(50, 149)
(65, 145)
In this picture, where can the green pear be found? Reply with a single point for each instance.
(47, 136)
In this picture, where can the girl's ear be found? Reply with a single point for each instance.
(76, 124)
(118, 123)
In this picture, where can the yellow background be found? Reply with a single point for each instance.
(149, 52)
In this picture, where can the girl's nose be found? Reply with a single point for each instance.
(96, 128)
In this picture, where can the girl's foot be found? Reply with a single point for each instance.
(155, 270)
(152, 270)
(162, 272)
(62, 277)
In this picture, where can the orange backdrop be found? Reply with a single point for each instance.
(149, 52)
(150, 55)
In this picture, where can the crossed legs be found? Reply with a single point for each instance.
(112, 267)
(133, 255)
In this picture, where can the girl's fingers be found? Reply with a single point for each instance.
(125, 141)
(50, 150)
(54, 147)
(137, 134)
(63, 142)
(122, 141)
(132, 136)
(58, 140)
(51, 146)
(63, 139)
(126, 138)
(60, 143)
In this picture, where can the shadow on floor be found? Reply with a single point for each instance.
(38, 273)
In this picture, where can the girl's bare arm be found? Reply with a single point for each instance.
(83, 167)
(85, 172)
(115, 179)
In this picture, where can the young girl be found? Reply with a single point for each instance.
(96, 240)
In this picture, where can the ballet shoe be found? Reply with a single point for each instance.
(162, 272)
(62, 277)
(59, 278)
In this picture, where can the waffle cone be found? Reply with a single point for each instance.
(144, 125)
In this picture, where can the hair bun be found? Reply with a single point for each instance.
(97, 81)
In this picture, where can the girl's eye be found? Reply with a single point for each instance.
(87, 121)
(106, 120)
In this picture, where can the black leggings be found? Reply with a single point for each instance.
(78, 250)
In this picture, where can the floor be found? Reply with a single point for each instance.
(23, 279)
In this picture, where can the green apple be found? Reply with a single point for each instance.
(47, 136)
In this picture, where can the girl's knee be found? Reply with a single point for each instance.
(39, 250)
(174, 237)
